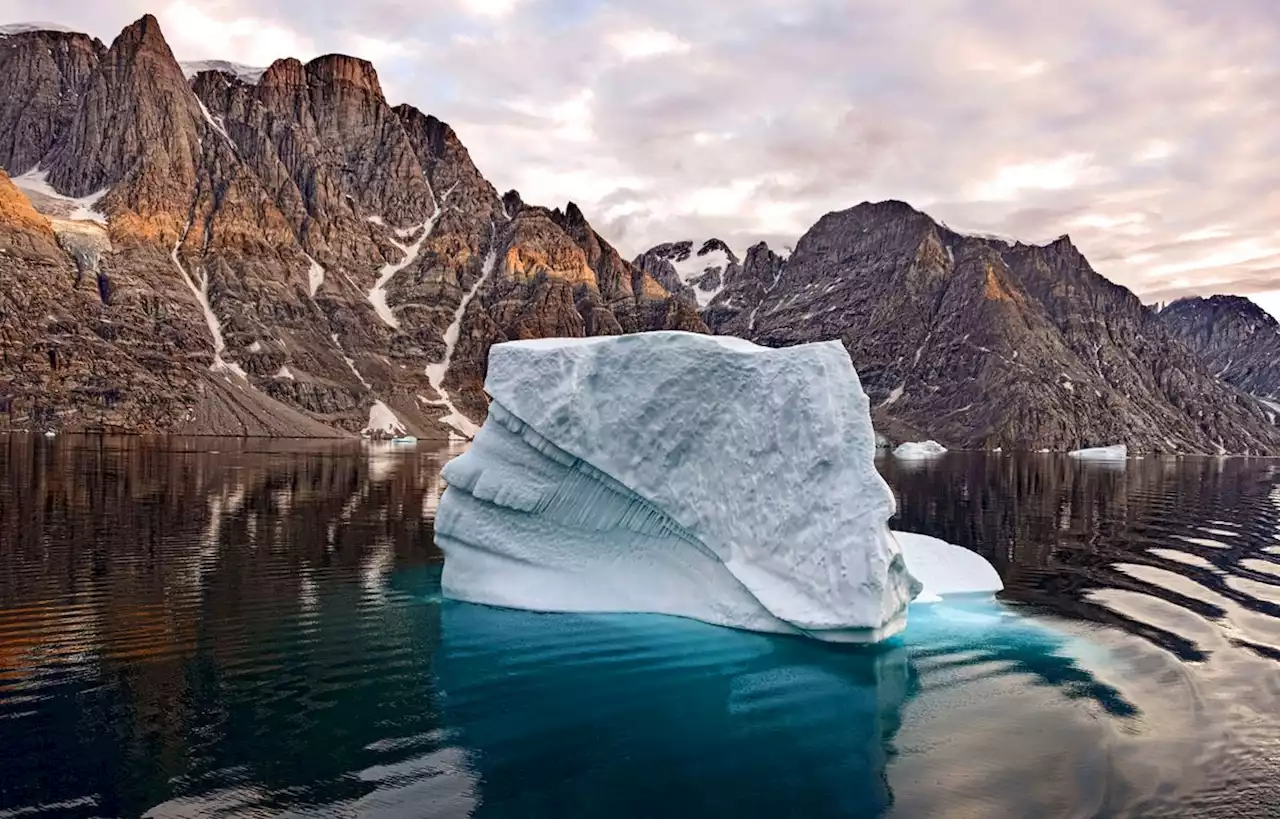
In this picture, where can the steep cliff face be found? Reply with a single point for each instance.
(978, 343)
(266, 252)
(45, 72)
(1236, 339)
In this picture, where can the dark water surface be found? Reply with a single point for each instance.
(255, 628)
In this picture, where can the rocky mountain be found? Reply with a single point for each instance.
(979, 343)
(209, 249)
(694, 271)
(1237, 339)
(206, 248)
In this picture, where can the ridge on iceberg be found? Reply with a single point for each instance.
(1118, 452)
(921, 449)
(683, 474)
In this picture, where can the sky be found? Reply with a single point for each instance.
(1147, 130)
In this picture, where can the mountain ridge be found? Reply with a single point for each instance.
(296, 256)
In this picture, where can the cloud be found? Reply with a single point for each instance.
(1148, 130)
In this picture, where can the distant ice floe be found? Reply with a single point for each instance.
(918, 450)
(754, 502)
(1118, 452)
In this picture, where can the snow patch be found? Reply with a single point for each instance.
(285, 372)
(315, 276)
(378, 295)
(244, 73)
(82, 208)
(694, 267)
(201, 292)
(894, 395)
(1117, 452)
(436, 372)
(216, 124)
(350, 361)
(918, 450)
(382, 421)
(751, 320)
(23, 28)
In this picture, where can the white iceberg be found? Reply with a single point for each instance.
(1119, 452)
(946, 570)
(914, 450)
(676, 473)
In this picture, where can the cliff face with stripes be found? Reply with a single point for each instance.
(284, 254)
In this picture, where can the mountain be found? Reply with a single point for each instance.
(981, 343)
(206, 248)
(694, 271)
(1237, 339)
(211, 249)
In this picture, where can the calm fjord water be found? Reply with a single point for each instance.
(255, 628)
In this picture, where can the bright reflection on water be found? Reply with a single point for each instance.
(227, 628)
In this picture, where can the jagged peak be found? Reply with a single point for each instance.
(513, 202)
(285, 72)
(143, 33)
(343, 69)
(573, 214)
(1219, 301)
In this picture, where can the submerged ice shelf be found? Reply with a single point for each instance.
(691, 475)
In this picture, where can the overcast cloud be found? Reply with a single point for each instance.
(1148, 130)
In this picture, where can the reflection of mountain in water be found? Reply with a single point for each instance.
(255, 628)
(1056, 529)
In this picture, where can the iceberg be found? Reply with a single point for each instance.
(913, 450)
(681, 474)
(1118, 452)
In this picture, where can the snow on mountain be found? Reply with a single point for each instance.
(705, 269)
(35, 183)
(244, 73)
(22, 28)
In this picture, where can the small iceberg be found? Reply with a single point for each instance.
(917, 450)
(404, 439)
(1119, 452)
(50, 434)
(718, 480)
(946, 570)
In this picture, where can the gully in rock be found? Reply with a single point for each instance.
(437, 372)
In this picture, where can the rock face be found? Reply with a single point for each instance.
(694, 271)
(1237, 339)
(982, 344)
(217, 250)
(281, 251)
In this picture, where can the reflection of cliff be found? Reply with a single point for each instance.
(190, 599)
(1055, 528)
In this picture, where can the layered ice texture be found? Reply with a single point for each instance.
(681, 474)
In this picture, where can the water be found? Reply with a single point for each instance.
(228, 628)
